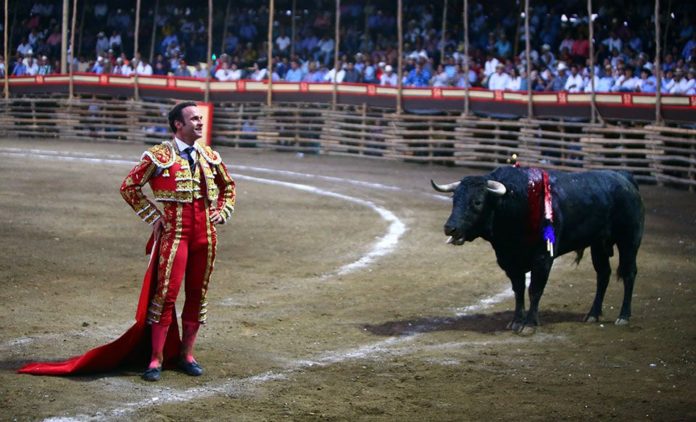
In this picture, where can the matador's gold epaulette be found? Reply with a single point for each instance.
(162, 155)
(210, 156)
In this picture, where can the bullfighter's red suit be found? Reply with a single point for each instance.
(185, 248)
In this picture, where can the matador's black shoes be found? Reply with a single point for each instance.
(191, 368)
(153, 374)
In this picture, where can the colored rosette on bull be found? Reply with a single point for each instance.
(549, 237)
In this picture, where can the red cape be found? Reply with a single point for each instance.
(133, 347)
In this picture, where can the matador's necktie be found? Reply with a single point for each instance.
(189, 156)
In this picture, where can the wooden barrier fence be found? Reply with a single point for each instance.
(654, 154)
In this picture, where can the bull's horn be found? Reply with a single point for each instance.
(450, 187)
(496, 187)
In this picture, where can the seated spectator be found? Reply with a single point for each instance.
(603, 83)
(98, 66)
(224, 74)
(667, 81)
(370, 72)
(352, 75)
(19, 69)
(200, 72)
(514, 82)
(647, 83)
(2, 66)
(336, 75)
(325, 50)
(418, 77)
(235, 72)
(441, 78)
(24, 47)
(122, 68)
(182, 69)
(258, 74)
(574, 83)
(691, 82)
(143, 68)
(45, 67)
(32, 67)
(499, 79)
(626, 82)
(560, 80)
(389, 78)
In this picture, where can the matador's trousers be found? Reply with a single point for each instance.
(187, 251)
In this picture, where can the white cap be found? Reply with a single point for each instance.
(388, 68)
(562, 66)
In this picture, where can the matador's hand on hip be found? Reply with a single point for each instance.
(215, 217)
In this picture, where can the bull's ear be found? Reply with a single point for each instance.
(496, 187)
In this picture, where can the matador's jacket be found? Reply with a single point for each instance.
(188, 240)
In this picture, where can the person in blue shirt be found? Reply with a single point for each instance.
(418, 77)
(294, 74)
(647, 82)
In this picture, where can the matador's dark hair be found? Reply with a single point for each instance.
(176, 114)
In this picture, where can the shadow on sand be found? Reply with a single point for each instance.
(480, 323)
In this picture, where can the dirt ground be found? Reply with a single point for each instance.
(414, 331)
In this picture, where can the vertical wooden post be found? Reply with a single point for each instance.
(209, 58)
(400, 29)
(466, 57)
(528, 55)
(6, 89)
(444, 31)
(136, 35)
(337, 41)
(154, 32)
(71, 90)
(590, 35)
(292, 28)
(64, 38)
(223, 44)
(269, 63)
(658, 71)
(79, 38)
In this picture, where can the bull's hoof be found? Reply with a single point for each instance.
(591, 319)
(621, 321)
(515, 326)
(527, 330)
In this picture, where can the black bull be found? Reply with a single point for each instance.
(596, 209)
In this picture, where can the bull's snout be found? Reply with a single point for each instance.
(450, 229)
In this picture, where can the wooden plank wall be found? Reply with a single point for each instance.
(654, 154)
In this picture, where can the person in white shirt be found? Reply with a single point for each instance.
(143, 68)
(681, 84)
(32, 67)
(490, 66)
(498, 80)
(331, 74)
(283, 42)
(388, 78)
(574, 83)
(235, 72)
(514, 82)
(257, 74)
(626, 82)
(224, 73)
(115, 40)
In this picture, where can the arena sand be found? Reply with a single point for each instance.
(416, 332)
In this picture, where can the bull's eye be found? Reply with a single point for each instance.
(478, 203)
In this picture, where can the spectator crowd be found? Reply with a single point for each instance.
(368, 50)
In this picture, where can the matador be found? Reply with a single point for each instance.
(195, 193)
